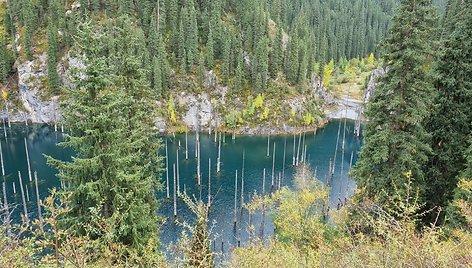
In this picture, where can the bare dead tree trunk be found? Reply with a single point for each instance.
(273, 169)
(38, 202)
(261, 233)
(25, 209)
(178, 172)
(242, 187)
(28, 161)
(167, 172)
(175, 194)
(209, 182)
(235, 198)
(283, 162)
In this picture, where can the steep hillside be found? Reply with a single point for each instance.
(189, 50)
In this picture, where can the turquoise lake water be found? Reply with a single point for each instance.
(320, 148)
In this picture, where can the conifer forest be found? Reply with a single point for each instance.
(236, 133)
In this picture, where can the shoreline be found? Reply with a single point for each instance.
(244, 131)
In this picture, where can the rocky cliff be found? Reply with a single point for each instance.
(373, 81)
(201, 110)
(39, 108)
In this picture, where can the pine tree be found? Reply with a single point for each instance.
(262, 58)
(124, 7)
(183, 62)
(210, 48)
(153, 36)
(239, 79)
(28, 22)
(451, 120)
(182, 48)
(162, 15)
(395, 139)
(276, 57)
(258, 83)
(226, 59)
(323, 57)
(302, 69)
(217, 28)
(57, 13)
(456, 210)
(112, 175)
(164, 63)
(83, 7)
(310, 62)
(291, 61)
(173, 24)
(70, 29)
(157, 76)
(201, 70)
(4, 62)
(192, 35)
(467, 172)
(53, 76)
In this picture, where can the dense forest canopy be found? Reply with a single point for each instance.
(243, 40)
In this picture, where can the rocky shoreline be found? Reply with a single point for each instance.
(200, 114)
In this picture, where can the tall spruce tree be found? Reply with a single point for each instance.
(182, 48)
(192, 35)
(112, 175)
(28, 22)
(239, 79)
(153, 36)
(302, 69)
(396, 141)
(157, 75)
(226, 62)
(262, 58)
(53, 76)
(201, 70)
(467, 172)
(276, 57)
(456, 211)
(173, 24)
(451, 120)
(4, 62)
(164, 62)
(291, 60)
(210, 47)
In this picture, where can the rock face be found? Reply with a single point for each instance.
(319, 90)
(199, 108)
(373, 80)
(31, 78)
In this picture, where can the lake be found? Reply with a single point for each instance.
(320, 149)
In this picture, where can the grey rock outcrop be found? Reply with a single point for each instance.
(31, 77)
(373, 81)
(319, 91)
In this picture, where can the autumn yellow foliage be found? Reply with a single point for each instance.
(360, 235)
